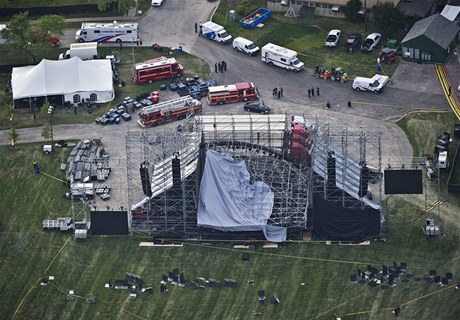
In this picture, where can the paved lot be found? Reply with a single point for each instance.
(414, 86)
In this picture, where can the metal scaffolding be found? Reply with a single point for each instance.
(261, 141)
(348, 166)
(171, 157)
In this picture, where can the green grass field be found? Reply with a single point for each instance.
(28, 253)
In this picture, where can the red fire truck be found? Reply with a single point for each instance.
(156, 69)
(243, 91)
(175, 109)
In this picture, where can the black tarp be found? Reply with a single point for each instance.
(331, 221)
(109, 223)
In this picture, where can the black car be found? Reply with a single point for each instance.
(353, 42)
(256, 106)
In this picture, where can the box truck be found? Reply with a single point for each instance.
(85, 51)
(282, 57)
(215, 32)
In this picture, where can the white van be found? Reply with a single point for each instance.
(246, 46)
(374, 84)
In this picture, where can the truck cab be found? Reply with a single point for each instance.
(443, 161)
(215, 32)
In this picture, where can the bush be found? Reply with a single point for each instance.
(246, 7)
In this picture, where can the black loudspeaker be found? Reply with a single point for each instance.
(364, 181)
(145, 180)
(176, 175)
(331, 170)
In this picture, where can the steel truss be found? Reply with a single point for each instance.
(351, 151)
(261, 141)
(431, 178)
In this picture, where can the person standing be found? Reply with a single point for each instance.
(224, 65)
(215, 68)
(312, 92)
(317, 91)
(309, 93)
(35, 164)
(220, 67)
(75, 109)
(281, 92)
(196, 27)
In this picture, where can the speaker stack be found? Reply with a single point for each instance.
(145, 179)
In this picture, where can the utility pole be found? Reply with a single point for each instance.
(50, 114)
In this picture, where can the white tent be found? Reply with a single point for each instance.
(74, 79)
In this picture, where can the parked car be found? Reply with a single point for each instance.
(157, 3)
(333, 38)
(387, 56)
(256, 106)
(353, 42)
(371, 41)
(126, 116)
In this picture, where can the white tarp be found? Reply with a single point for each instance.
(64, 77)
(230, 202)
(450, 12)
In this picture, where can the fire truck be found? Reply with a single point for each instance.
(156, 69)
(243, 91)
(172, 110)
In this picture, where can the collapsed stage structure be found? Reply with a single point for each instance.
(241, 177)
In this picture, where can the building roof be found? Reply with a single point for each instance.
(436, 28)
(57, 77)
(417, 8)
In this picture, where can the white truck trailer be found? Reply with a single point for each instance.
(282, 57)
(85, 51)
(215, 32)
(107, 32)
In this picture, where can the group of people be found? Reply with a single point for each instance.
(311, 92)
(220, 66)
(196, 28)
(278, 93)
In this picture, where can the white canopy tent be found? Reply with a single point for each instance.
(74, 79)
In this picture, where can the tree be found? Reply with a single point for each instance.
(46, 131)
(13, 133)
(351, 11)
(22, 36)
(122, 5)
(125, 5)
(14, 136)
(388, 19)
(103, 5)
(52, 24)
